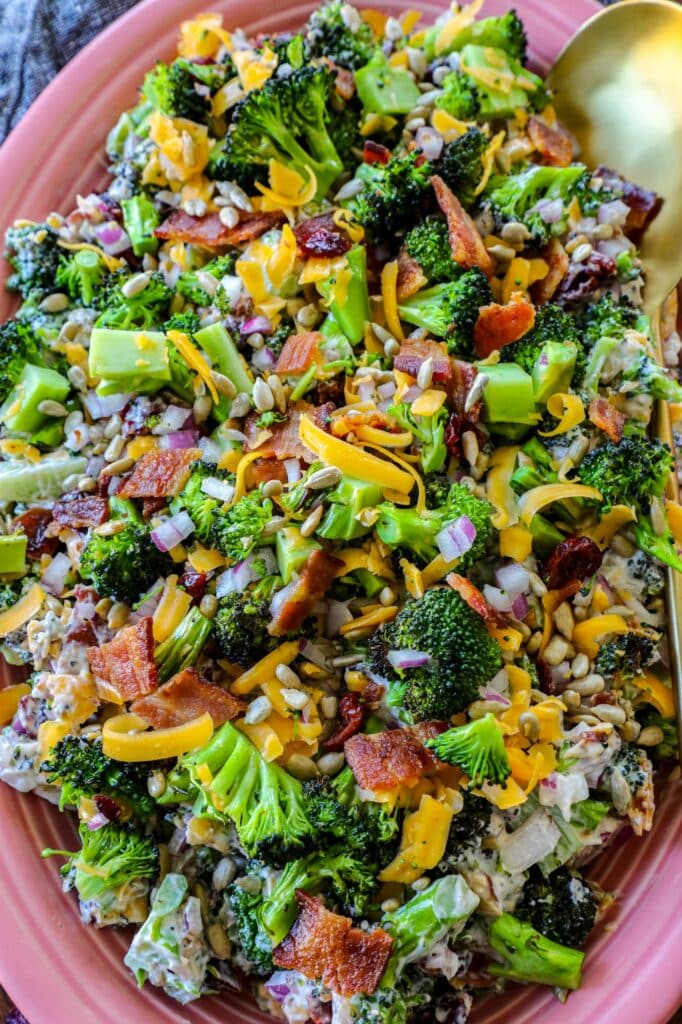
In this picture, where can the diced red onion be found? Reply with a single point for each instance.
(172, 531)
(513, 578)
(54, 577)
(180, 439)
(615, 213)
(173, 418)
(408, 659)
(263, 359)
(366, 391)
(606, 587)
(237, 578)
(257, 325)
(613, 247)
(97, 821)
(151, 601)
(499, 600)
(223, 490)
(112, 238)
(520, 607)
(278, 986)
(496, 698)
(456, 538)
(550, 210)
(293, 470)
(100, 406)
(386, 390)
(429, 141)
(315, 654)
(337, 615)
(412, 394)
(281, 598)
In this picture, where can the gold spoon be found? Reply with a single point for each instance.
(618, 89)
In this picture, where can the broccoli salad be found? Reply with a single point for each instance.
(334, 538)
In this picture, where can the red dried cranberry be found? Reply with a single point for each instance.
(375, 153)
(584, 278)
(576, 558)
(352, 713)
(106, 805)
(320, 237)
(194, 583)
(34, 523)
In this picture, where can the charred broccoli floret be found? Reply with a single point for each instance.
(563, 907)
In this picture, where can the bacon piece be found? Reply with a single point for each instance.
(150, 506)
(157, 474)
(584, 278)
(352, 713)
(324, 945)
(262, 471)
(463, 377)
(466, 243)
(411, 277)
(644, 204)
(552, 142)
(211, 233)
(375, 153)
(321, 237)
(124, 668)
(556, 258)
(298, 354)
(281, 441)
(184, 697)
(473, 597)
(317, 574)
(498, 325)
(386, 760)
(79, 513)
(34, 522)
(609, 419)
(413, 353)
(345, 82)
(575, 558)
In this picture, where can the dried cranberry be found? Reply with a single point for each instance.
(106, 805)
(34, 523)
(576, 558)
(330, 391)
(545, 676)
(453, 434)
(584, 278)
(375, 153)
(352, 713)
(320, 237)
(194, 583)
(643, 203)
(150, 506)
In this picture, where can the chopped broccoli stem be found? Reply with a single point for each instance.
(528, 956)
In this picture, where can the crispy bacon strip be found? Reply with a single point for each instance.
(210, 232)
(184, 697)
(498, 325)
(411, 277)
(281, 441)
(325, 945)
(413, 353)
(609, 419)
(79, 513)
(552, 142)
(124, 668)
(465, 242)
(388, 760)
(317, 574)
(298, 354)
(158, 474)
(557, 260)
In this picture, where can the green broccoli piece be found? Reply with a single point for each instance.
(144, 311)
(189, 322)
(461, 165)
(328, 35)
(81, 276)
(609, 318)
(288, 121)
(625, 657)
(33, 253)
(240, 627)
(630, 472)
(643, 568)
(562, 907)
(393, 195)
(171, 89)
(450, 310)
(81, 768)
(18, 346)
(460, 97)
(652, 379)
(245, 926)
(344, 129)
(508, 86)
(463, 656)
(502, 32)
(200, 507)
(633, 766)
(468, 828)
(10, 593)
(182, 648)
(264, 802)
(123, 565)
(428, 432)
(437, 487)
(285, 328)
(429, 244)
(553, 326)
(109, 857)
(336, 813)
(657, 545)
(528, 956)
(519, 197)
(477, 748)
(190, 286)
(239, 530)
(403, 1003)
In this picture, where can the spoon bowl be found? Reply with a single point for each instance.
(618, 86)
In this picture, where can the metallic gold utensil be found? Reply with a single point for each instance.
(618, 88)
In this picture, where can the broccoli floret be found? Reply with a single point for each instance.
(191, 287)
(182, 648)
(109, 857)
(144, 311)
(240, 627)
(652, 379)
(502, 32)
(660, 546)
(528, 956)
(630, 472)
(10, 593)
(463, 502)
(18, 346)
(461, 164)
(200, 507)
(553, 325)
(288, 121)
(337, 813)
(632, 764)
(437, 487)
(643, 568)
(33, 253)
(609, 318)
(264, 802)
(239, 530)
(402, 1003)
(463, 655)
(561, 907)
(504, 87)
(520, 197)
(285, 328)
(460, 97)
(393, 195)
(477, 748)
(188, 322)
(468, 828)
(81, 768)
(450, 310)
(626, 656)
(428, 432)
(81, 276)
(171, 89)
(668, 748)
(329, 35)
(429, 245)
(123, 565)
(246, 928)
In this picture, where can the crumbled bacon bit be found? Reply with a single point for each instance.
(345, 82)
(298, 354)
(375, 153)
(575, 558)
(150, 506)
(466, 243)
(463, 377)
(352, 713)
(387, 760)
(321, 237)
(552, 142)
(473, 597)
(124, 668)
(158, 474)
(411, 277)
(262, 471)
(210, 232)
(185, 697)
(34, 522)
(498, 325)
(413, 353)
(609, 419)
(556, 258)
(281, 441)
(81, 512)
(317, 574)
(324, 945)
(584, 278)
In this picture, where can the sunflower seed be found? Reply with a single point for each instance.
(54, 303)
(263, 398)
(309, 525)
